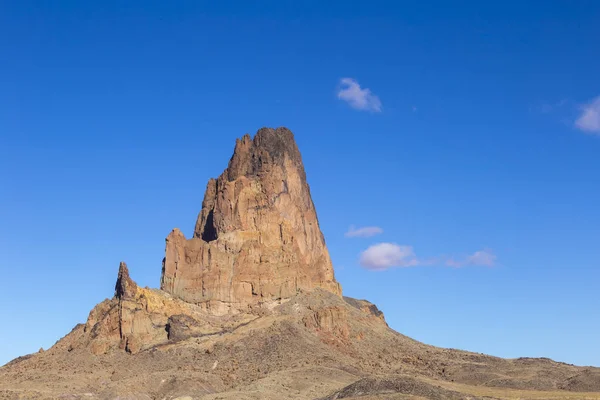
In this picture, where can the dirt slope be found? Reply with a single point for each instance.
(315, 345)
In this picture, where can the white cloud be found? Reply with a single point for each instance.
(386, 255)
(382, 256)
(589, 119)
(358, 98)
(365, 231)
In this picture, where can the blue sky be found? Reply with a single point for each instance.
(465, 134)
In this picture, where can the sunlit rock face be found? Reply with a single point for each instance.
(257, 237)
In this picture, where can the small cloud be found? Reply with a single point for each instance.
(358, 98)
(481, 258)
(365, 231)
(383, 256)
(589, 118)
(414, 109)
(387, 255)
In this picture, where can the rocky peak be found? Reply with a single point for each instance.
(268, 162)
(257, 237)
(269, 147)
(125, 286)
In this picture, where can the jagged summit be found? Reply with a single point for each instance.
(257, 237)
(254, 159)
(253, 156)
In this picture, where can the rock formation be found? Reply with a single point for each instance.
(257, 242)
(139, 318)
(127, 321)
(257, 237)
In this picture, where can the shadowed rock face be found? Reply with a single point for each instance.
(125, 286)
(257, 237)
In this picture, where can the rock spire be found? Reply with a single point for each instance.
(125, 287)
(257, 237)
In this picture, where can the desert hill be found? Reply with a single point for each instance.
(249, 308)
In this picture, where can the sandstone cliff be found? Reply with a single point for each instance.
(257, 237)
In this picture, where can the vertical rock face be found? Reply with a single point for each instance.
(257, 236)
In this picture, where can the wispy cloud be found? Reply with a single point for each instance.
(383, 256)
(481, 258)
(357, 97)
(589, 118)
(365, 231)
